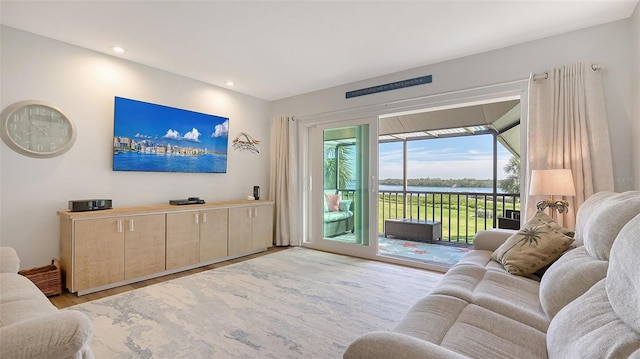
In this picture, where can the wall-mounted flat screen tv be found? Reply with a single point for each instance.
(156, 138)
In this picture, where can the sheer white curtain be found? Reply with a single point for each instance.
(568, 128)
(283, 184)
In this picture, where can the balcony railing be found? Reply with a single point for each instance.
(462, 214)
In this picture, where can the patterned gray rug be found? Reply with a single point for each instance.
(297, 303)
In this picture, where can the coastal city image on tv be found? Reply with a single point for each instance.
(156, 138)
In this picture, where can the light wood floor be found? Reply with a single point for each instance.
(67, 299)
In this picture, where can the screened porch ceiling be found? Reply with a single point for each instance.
(501, 118)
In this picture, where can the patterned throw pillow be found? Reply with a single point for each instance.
(333, 202)
(539, 242)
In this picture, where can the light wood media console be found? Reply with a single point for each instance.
(109, 248)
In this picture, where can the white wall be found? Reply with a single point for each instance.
(83, 84)
(608, 45)
(635, 24)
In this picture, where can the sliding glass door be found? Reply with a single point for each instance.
(342, 187)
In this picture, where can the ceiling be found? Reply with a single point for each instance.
(277, 49)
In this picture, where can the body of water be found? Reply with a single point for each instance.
(439, 189)
(135, 161)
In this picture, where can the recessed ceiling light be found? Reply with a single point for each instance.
(229, 83)
(117, 49)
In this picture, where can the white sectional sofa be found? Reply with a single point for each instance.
(30, 326)
(586, 305)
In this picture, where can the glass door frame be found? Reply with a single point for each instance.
(371, 112)
(311, 134)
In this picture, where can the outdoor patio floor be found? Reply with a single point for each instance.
(440, 252)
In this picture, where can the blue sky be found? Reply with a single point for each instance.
(168, 125)
(456, 157)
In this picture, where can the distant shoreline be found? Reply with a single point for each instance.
(440, 182)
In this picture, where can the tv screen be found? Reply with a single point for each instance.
(156, 138)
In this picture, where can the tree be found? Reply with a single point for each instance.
(512, 183)
(337, 162)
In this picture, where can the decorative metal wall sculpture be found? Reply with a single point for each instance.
(244, 142)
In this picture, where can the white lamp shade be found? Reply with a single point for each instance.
(556, 182)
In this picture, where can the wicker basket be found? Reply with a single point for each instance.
(47, 278)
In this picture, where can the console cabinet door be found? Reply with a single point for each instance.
(183, 239)
(240, 230)
(213, 234)
(250, 229)
(262, 227)
(98, 252)
(144, 245)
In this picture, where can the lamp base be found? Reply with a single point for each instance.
(560, 205)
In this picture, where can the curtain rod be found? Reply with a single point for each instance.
(545, 75)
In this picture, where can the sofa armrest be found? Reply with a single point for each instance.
(60, 335)
(398, 346)
(491, 239)
(9, 261)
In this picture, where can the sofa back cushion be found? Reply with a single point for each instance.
(586, 209)
(568, 278)
(623, 277)
(598, 223)
(9, 262)
(605, 321)
(605, 221)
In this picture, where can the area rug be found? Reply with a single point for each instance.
(296, 303)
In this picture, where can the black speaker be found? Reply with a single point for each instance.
(80, 205)
(256, 192)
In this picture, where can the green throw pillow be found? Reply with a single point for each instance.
(540, 242)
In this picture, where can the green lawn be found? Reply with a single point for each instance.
(460, 215)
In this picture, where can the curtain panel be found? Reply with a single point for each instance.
(283, 185)
(568, 128)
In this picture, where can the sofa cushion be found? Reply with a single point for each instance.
(383, 344)
(333, 202)
(568, 278)
(623, 276)
(471, 330)
(344, 204)
(514, 297)
(605, 321)
(21, 300)
(586, 209)
(607, 219)
(538, 243)
(9, 261)
(577, 271)
(589, 328)
(481, 258)
(336, 216)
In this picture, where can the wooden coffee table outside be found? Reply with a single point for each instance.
(413, 229)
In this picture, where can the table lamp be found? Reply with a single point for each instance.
(552, 182)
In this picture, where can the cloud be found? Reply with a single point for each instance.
(192, 135)
(139, 135)
(221, 130)
(172, 134)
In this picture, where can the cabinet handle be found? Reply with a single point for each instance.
(204, 217)
(196, 218)
(249, 210)
(255, 212)
(131, 228)
(119, 226)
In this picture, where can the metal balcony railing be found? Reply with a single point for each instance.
(462, 214)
